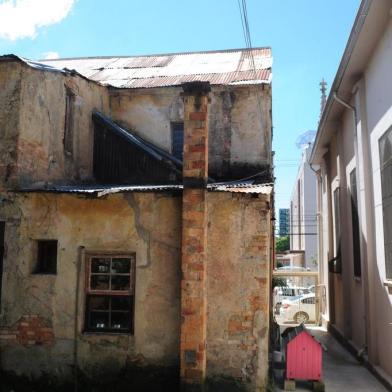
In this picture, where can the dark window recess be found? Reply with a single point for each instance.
(335, 264)
(178, 140)
(117, 160)
(2, 232)
(110, 294)
(46, 257)
(355, 224)
(385, 146)
(68, 124)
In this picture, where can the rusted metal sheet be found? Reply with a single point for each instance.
(245, 187)
(122, 158)
(101, 190)
(226, 67)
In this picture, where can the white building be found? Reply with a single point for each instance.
(353, 149)
(303, 206)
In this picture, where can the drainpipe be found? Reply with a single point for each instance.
(320, 235)
(361, 351)
(76, 316)
(350, 107)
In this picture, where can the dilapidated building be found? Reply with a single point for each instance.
(135, 215)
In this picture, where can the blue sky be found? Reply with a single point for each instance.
(307, 38)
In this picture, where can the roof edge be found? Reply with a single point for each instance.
(345, 60)
(160, 54)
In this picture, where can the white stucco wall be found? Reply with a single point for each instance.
(360, 307)
(304, 223)
(379, 119)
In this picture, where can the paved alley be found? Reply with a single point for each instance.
(342, 372)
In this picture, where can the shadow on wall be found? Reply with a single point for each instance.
(135, 378)
(381, 322)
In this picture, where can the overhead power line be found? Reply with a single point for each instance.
(248, 42)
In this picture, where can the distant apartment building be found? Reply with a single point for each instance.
(303, 215)
(284, 221)
(353, 150)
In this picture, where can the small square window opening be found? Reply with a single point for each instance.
(46, 262)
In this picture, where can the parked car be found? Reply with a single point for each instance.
(292, 268)
(299, 309)
(288, 292)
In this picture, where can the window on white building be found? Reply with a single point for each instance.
(385, 146)
(355, 224)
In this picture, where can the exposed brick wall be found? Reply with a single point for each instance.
(238, 289)
(28, 331)
(194, 236)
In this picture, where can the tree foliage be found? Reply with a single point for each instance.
(282, 244)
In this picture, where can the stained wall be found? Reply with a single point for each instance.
(239, 123)
(238, 288)
(145, 224)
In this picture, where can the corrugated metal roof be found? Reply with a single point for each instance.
(226, 67)
(33, 64)
(101, 190)
(241, 187)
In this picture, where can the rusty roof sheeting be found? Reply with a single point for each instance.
(241, 187)
(226, 67)
(101, 190)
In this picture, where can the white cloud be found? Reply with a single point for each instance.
(22, 18)
(50, 56)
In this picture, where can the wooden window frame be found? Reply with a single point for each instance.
(110, 293)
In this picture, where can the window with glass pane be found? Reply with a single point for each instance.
(385, 146)
(355, 224)
(110, 294)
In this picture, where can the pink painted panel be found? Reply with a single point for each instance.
(304, 358)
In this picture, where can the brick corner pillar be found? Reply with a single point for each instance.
(194, 237)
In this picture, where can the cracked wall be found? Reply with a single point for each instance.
(240, 124)
(32, 124)
(10, 95)
(147, 224)
(238, 288)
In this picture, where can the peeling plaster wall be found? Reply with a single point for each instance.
(238, 288)
(147, 224)
(239, 130)
(41, 156)
(150, 226)
(10, 91)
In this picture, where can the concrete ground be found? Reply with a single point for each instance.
(342, 372)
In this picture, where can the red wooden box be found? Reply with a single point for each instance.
(303, 355)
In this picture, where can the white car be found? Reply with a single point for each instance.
(287, 293)
(292, 268)
(299, 309)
